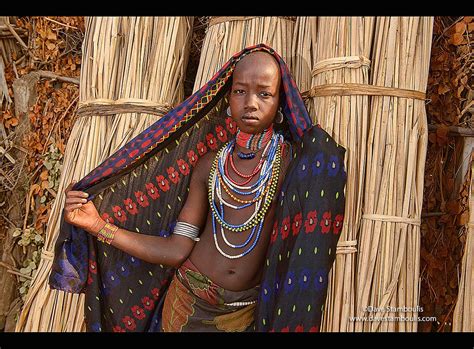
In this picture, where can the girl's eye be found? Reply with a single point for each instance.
(266, 94)
(238, 91)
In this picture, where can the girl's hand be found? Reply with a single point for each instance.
(81, 213)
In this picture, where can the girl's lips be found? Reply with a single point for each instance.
(247, 116)
(249, 120)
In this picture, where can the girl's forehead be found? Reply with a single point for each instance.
(253, 68)
(259, 59)
(252, 76)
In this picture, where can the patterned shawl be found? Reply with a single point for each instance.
(143, 186)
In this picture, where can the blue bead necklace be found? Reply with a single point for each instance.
(264, 190)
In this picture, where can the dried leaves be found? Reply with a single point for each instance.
(441, 248)
(457, 34)
(57, 43)
(51, 118)
(7, 116)
(450, 81)
(54, 46)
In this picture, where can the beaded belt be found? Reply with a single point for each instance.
(240, 304)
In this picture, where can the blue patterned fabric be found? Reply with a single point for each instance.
(308, 223)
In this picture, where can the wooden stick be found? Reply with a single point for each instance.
(14, 271)
(17, 37)
(63, 24)
(50, 75)
(8, 156)
(454, 131)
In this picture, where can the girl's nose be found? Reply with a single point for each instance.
(251, 102)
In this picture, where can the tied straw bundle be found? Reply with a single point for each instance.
(133, 70)
(388, 262)
(226, 36)
(337, 49)
(378, 115)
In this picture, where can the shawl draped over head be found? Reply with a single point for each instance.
(143, 186)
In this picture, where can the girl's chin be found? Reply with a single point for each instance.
(250, 129)
(250, 122)
(251, 126)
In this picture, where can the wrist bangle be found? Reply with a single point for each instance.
(107, 233)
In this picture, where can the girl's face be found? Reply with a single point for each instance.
(254, 95)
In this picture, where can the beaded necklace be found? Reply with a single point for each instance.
(253, 142)
(247, 177)
(263, 189)
(264, 173)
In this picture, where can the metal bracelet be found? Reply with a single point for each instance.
(186, 229)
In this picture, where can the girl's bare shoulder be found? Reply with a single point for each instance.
(204, 164)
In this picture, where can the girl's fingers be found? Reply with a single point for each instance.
(72, 207)
(72, 200)
(77, 194)
(74, 193)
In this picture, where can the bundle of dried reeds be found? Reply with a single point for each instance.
(128, 64)
(226, 36)
(338, 49)
(387, 273)
(463, 318)
(380, 119)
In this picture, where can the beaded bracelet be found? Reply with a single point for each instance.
(107, 233)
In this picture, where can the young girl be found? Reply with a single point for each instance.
(218, 246)
(232, 274)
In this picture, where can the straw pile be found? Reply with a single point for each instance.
(338, 49)
(380, 119)
(389, 240)
(132, 73)
(228, 35)
(463, 318)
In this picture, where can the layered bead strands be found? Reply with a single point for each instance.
(263, 191)
(248, 177)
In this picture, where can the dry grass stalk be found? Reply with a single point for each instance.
(226, 36)
(304, 45)
(123, 57)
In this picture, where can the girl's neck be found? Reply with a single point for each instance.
(254, 142)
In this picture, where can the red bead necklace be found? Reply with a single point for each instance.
(248, 177)
(254, 142)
